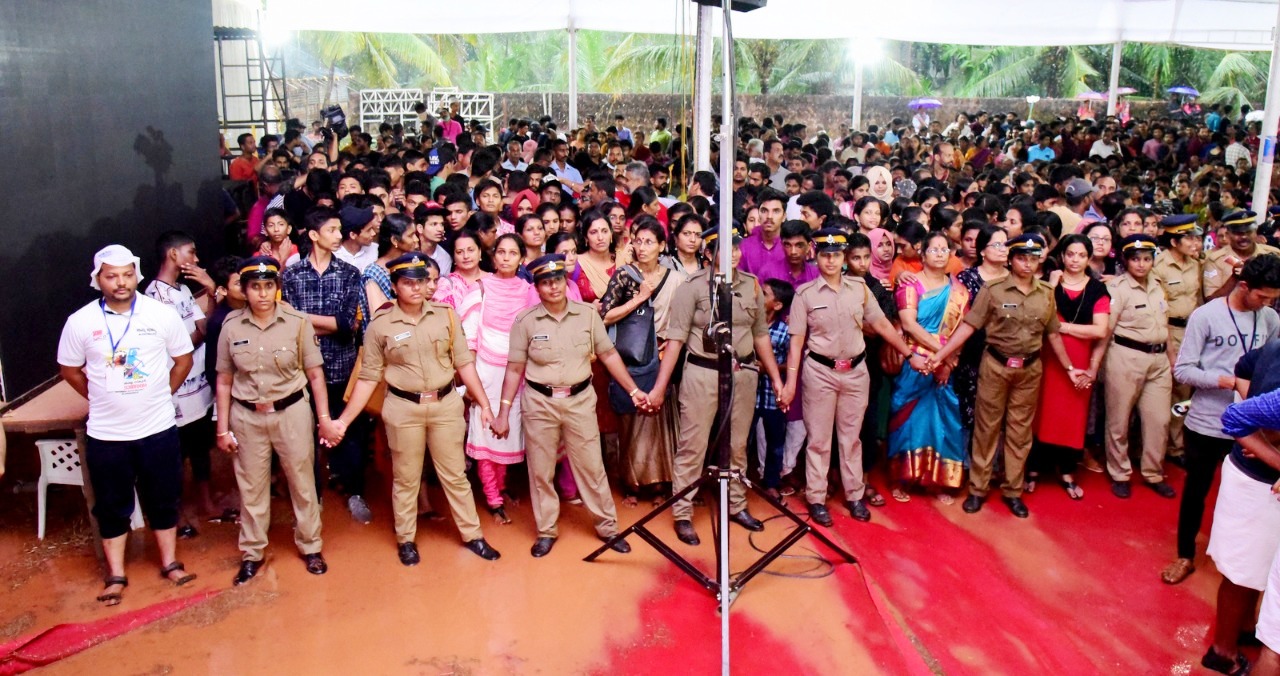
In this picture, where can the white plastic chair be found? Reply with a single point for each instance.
(60, 464)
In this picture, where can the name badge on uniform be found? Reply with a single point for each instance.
(403, 336)
(1173, 281)
(1010, 306)
(1140, 307)
(238, 343)
(541, 336)
(820, 307)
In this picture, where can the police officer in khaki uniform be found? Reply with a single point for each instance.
(1223, 263)
(267, 354)
(1178, 271)
(551, 348)
(1137, 368)
(836, 382)
(1018, 314)
(688, 318)
(417, 347)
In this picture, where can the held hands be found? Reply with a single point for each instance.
(783, 394)
(486, 417)
(500, 426)
(641, 401)
(921, 364)
(656, 398)
(1082, 379)
(331, 432)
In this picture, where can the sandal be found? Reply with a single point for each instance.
(228, 515)
(946, 498)
(500, 515)
(113, 598)
(1177, 571)
(900, 495)
(176, 566)
(1074, 491)
(874, 498)
(1239, 666)
(1032, 479)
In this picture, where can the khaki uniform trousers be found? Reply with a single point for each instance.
(411, 428)
(289, 434)
(1007, 399)
(1181, 392)
(570, 422)
(1144, 380)
(698, 396)
(834, 400)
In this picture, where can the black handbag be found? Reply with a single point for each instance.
(635, 338)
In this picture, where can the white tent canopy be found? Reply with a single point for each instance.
(1221, 24)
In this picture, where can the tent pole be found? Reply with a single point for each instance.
(573, 78)
(1113, 83)
(1270, 118)
(856, 122)
(702, 89)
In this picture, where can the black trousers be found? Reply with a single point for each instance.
(196, 438)
(152, 465)
(1204, 455)
(347, 459)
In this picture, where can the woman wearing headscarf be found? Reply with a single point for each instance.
(882, 255)
(881, 184)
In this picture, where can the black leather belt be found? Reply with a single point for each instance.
(420, 397)
(1180, 322)
(840, 365)
(558, 392)
(713, 363)
(1132, 344)
(1013, 362)
(272, 406)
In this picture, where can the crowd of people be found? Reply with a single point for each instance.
(937, 311)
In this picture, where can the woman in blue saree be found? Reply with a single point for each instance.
(926, 440)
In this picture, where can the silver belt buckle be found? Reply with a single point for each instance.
(843, 365)
(1015, 362)
(428, 396)
(265, 407)
(561, 392)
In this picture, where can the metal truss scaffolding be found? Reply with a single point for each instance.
(251, 90)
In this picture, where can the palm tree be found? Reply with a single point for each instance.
(375, 59)
(1015, 71)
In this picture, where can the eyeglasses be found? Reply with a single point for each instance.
(1100, 238)
(935, 250)
(998, 245)
(644, 242)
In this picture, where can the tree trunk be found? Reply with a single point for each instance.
(328, 87)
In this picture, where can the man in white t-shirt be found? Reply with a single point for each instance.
(359, 236)
(117, 352)
(194, 399)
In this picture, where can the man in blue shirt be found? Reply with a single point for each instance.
(1041, 151)
(328, 291)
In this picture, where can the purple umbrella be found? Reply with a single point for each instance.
(1091, 96)
(1121, 91)
(1184, 90)
(922, 104)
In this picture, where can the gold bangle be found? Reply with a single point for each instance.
(223, 434)
(632, 393)
(506, 402)
(324, 417)
(793, 368)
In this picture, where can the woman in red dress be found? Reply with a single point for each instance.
(1084, 308)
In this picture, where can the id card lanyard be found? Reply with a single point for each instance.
(115, 344)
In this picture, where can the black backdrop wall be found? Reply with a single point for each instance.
(108, 121)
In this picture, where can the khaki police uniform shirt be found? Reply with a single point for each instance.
(267, 364)
(690, 314)
(1181, 283)
(1015, 322)
(415, 354)
(1216, 270)
(557, 351)
(1139, 312)
(822, 313)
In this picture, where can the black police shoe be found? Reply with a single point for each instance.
(315, 564)
(1017, 506)
(685, 532)
(747, 521)
(248, 569)
(542, 547)
(1121, 489)
(621, 546)
(1163, 489)
(820, 515)
(482, 549)
(409, 554)
(858, 510)
(973, 504)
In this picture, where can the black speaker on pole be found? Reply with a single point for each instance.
(736, 5)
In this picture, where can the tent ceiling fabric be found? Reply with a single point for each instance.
(1219, 24)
